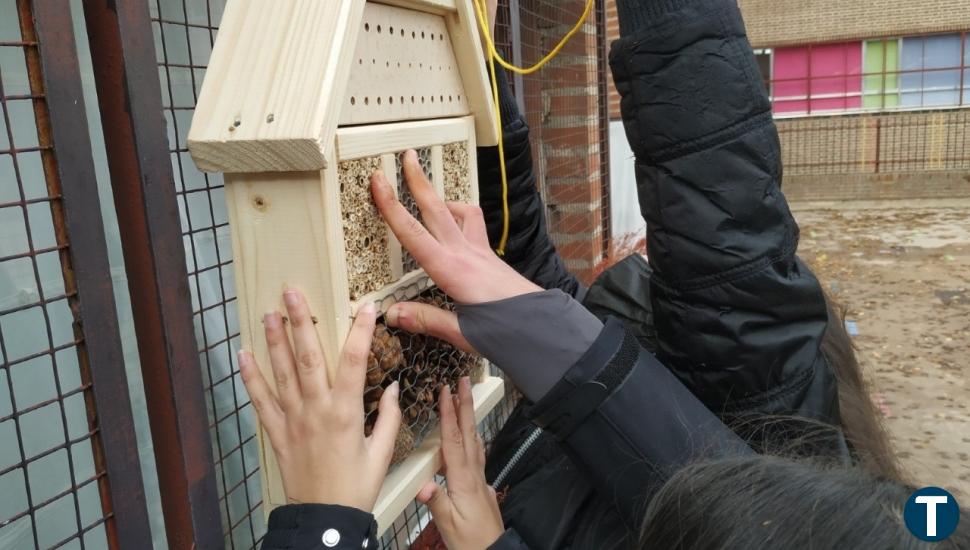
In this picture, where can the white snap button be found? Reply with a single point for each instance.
(330, 538)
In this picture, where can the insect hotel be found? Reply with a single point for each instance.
(302, 101)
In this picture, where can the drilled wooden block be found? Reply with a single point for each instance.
(365, 233)
(458, 186)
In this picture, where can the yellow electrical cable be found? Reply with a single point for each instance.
(493, 56)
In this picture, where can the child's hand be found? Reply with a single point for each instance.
(452, 245)
(466, 513)
(316, 429)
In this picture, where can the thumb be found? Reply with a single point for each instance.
(427, 319)
(437, 500)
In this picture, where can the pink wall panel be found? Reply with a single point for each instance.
(832, 72)
(789, 80)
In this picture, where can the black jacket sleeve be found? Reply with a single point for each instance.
(509, 540)
(628, 423)
(529, 249)
(299, 526)
(738, 317)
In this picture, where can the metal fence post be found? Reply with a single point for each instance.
(126, 75)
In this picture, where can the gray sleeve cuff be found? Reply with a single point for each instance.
(535, 338)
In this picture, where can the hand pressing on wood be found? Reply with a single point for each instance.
(466, 513)
(452, 247)
(317, 428)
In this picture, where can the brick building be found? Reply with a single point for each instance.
(870, 97)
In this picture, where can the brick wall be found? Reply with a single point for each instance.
(873, 157)
(612, 33)
(876, 143)
(562, 107)
(773, 23)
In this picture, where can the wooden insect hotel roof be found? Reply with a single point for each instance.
(284, 74)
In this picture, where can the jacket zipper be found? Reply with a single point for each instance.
(519, 453)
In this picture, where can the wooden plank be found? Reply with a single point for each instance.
(406, 288)
(275, 85)
(463, 29)
(404, 68)
(405, 479)
(439, 7)
(286, 231)
(366, 141)
(437, 170)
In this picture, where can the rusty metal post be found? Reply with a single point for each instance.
(69, 172)
(129, 95)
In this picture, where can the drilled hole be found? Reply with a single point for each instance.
(432, 99)
(373, 61)
(378, 100)
(353, 100)
(402, 32)
(412, 34)
(441, 36)
(390, 99)
(402, 99)
(367, 27)
(441, 98)
(366, 101)
(432, 36)
(378, 29)
(390, 30)
(387, 63)
(422, 99)
(449, 99)
(412, 99)
(422, 34)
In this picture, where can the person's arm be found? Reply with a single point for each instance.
(623, 417)
(529, 248)
(331, 472)
(739, 318)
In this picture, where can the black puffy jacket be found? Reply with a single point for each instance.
(724, 301)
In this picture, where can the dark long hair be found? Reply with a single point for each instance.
(861, 422)
(777, 502)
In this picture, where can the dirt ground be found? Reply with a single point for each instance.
(904, 272)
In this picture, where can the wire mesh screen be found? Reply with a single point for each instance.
(51, 473)
(184, 32)
(565, 104)
(421, 365)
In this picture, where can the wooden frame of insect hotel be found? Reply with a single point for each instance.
(302, 101)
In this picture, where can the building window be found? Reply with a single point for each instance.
(880, 85)
(763, 57)
(817, 79)
(931, 71)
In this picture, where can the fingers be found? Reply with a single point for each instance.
(352, 371)
(427, 319)
(281, 358)
(433, 210)
(437, 500)
(310, 366)
(388, 423)
(269, 412)
(424, 248)
(452, 448)
(472, 223)
(466, 420)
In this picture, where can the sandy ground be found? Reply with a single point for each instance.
(904, 272)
